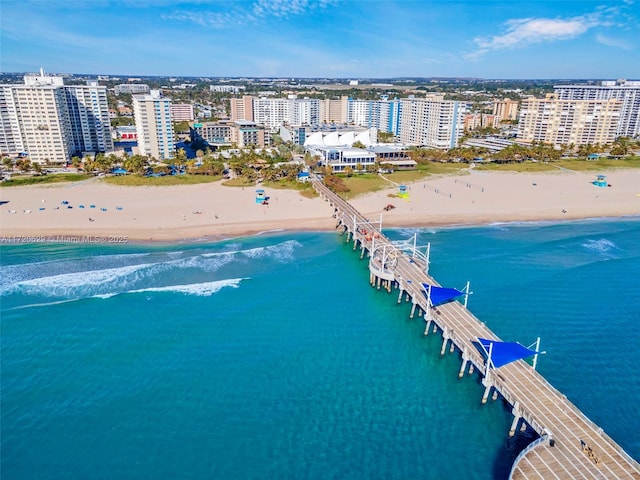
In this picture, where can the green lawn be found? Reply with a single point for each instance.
(305, 189)
(577, 165)
(361, 184)
(51, 178)
(239, 182)
(167, 180)
(372, 182)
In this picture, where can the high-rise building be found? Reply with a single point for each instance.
(334, 110)
(10, 136)
(51, 122)
(152, 115)
(506, 110)
(432, 122)
(304, 111)
(627, 92)
(242, 108)
(182, 112)
(274, 112)
(579, 122)
(89, 114)
(383, 114)
(389, 113)
(271, 112)
(474, 121)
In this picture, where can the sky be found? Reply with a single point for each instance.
(495, 39)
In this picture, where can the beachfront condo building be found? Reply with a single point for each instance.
(10, 136)
(242, 133)
(432, 121)
(152, 114)
(627, 92)
(249, 134)
(274, 112)
(50, 122)
(89, 114)
(579, 122)
(383, 114)
(213, 133)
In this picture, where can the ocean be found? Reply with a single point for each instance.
(271, 356)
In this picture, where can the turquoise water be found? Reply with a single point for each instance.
(272, 357)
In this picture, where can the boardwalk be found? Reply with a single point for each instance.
(570, 445)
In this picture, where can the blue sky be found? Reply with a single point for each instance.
(324, 38)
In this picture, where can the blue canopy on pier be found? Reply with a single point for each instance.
(440, 295)
(503, 353)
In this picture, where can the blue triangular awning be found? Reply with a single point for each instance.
(503, 353)
(440, 295)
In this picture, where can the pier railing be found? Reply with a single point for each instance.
(533, 400)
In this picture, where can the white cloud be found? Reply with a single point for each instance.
(243, 14)
(614, 42)
(286, 8)
(529, 31)
(207, 19)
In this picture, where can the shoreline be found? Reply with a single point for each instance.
(71, 238)
(101, 213)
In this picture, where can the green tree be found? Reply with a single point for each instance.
(181, 127)
(8, 163)
(180, 158)
(23, 164)
(385, 137)
(620, 147)
(103, 163)
(136, 164)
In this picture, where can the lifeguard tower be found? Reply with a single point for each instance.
(260, 196)
(403, 192)
(600, 181)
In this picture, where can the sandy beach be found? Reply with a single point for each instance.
(110, 214)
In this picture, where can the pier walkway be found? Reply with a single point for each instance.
(570, 446)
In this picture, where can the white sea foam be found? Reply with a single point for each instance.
(282, 251)
(70, 284)
(220, 254)
(601, 245)
(19, 273)
(408, 233)
(201, 289)
(44, 304)
(105, 296)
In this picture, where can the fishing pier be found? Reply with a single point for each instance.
(569, 445)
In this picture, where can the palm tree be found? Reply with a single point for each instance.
(8, 163)
(136, 164)
(23, 164)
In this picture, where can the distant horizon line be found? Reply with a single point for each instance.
(347, 79)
